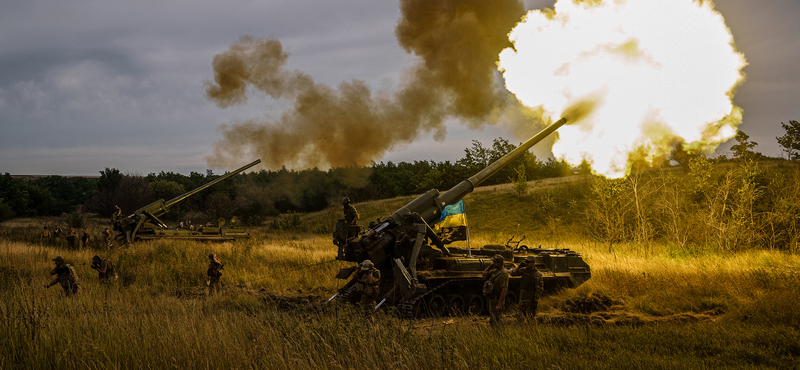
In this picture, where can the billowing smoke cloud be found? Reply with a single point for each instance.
(458, 44)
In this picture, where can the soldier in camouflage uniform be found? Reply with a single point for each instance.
(85, 239)
(495, 288)
(214, 273)
(45, 236)
(107, 237)
(71, 238)
(105, 269)
(367, 279)
(57, 232)
(65, 275)
(531, 288)
(350, 213)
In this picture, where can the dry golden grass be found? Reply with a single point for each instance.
(273, 315)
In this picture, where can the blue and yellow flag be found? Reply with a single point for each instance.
(452, 225)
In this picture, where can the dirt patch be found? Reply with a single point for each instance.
(589, 304)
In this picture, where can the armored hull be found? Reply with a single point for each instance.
(205, 233)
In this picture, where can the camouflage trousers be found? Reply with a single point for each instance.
(368, 304)
(495, 315)
(214, 285)
(70, 287)
(527, 308)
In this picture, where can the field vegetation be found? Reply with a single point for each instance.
(713, 286)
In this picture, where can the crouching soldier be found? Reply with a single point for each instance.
(367, 280)
(531, 288)
(65, 275)
(105, 269)
(214, 273)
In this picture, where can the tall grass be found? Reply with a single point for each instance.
(272, 314)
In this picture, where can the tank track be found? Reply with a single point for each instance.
(406, 306)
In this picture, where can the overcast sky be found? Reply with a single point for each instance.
(89, 84)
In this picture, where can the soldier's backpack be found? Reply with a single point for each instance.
(72, 274)
(111, 271)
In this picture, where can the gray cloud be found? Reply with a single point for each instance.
(90, 84)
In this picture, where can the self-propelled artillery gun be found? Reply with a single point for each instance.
(144, 223)
(421, 275)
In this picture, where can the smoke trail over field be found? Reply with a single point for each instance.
(458, 44)
(657, 72)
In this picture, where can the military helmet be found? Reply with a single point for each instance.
(58, 258)
(367, 265)
(498, 258)
(211, 255)
(530, 259)
(346, 200)
(96, 258)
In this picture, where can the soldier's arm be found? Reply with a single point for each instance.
(54, 282)
(103, 267)
(502, 298)
(372, 279)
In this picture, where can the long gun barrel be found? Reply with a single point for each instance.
(183, 196)
(430, 212)
(158, 208)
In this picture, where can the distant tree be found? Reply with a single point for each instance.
(165, 189)
(744, 147)
(790, 142)
(6, 213)
(521, 183)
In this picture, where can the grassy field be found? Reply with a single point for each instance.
(646, 307)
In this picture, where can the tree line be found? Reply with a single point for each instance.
(255, 196)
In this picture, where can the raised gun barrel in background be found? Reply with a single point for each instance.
(150, 213)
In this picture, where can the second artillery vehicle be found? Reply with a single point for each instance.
(144, 223)
(419, 277)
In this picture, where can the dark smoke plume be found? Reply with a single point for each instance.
(458, 43)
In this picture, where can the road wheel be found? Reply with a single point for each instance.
(474, 304)
(437, 306)
(455, 304)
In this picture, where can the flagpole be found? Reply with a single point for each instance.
(466, 223)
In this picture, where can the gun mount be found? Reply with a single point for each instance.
(418, 276)
(144, 223)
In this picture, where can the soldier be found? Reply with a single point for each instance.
(57, 232)
(85, 239)
(367, 279)
(71, 237)
(117, 214)
(66, 276)
(531, 288)
(350, 213)
(495, 288)
(105, 269)
(107, 237)
(45, 235)
(214, 273)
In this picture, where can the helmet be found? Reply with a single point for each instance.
(58, 258)
(498, 258)
(367, 265)
(96, 258)
(211, 255)
(530, 259)
(346, 200)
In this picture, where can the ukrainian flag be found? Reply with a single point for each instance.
(452, 225)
